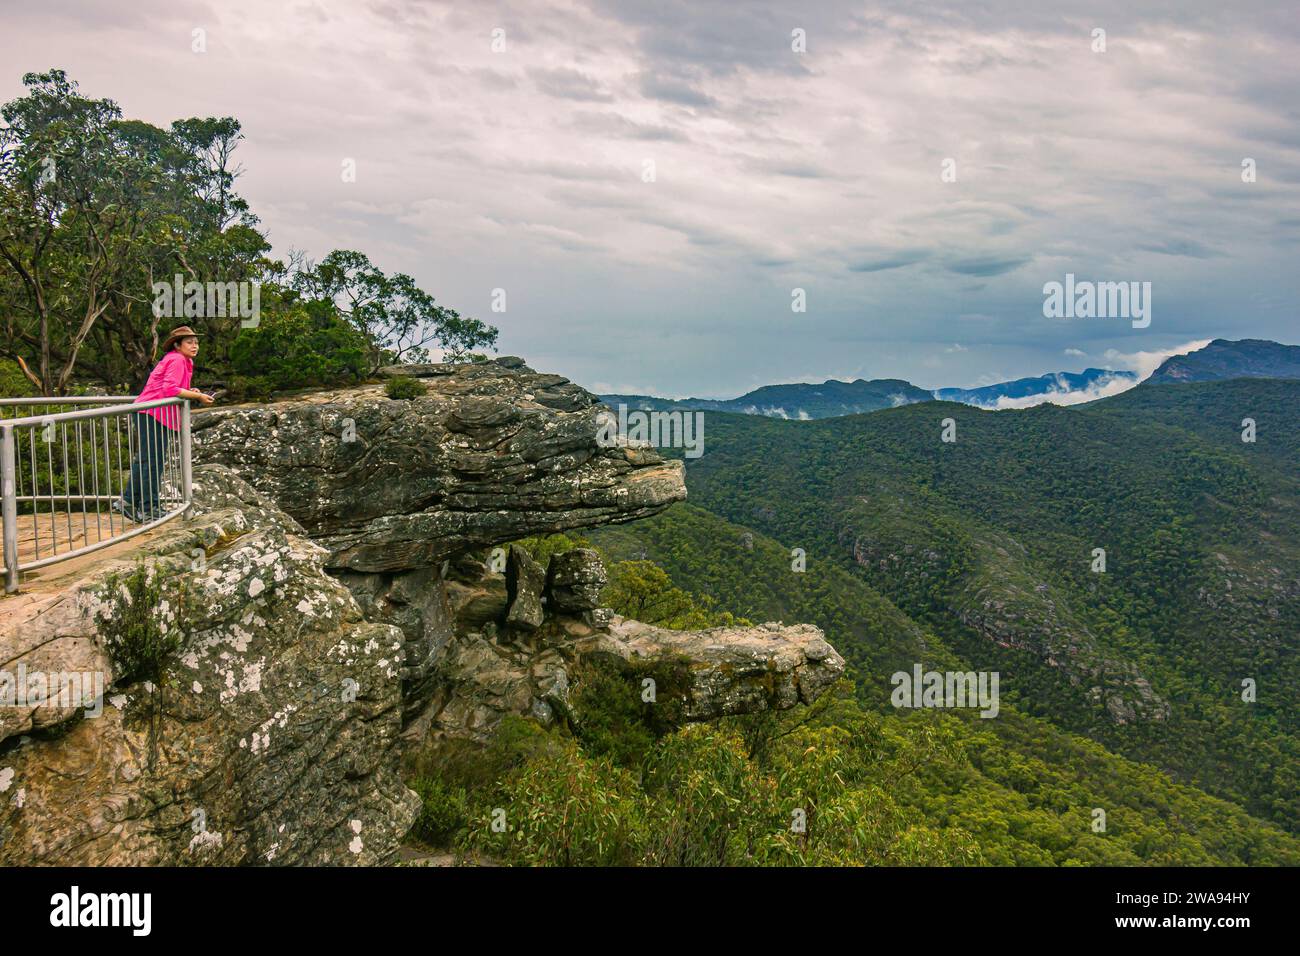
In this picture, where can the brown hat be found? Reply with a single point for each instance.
(180, 332)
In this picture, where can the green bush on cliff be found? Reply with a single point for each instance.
(139, 640)
(452, 777)
(708, 803)
(543, 546)
(294, 346)
(403, 386)
(642, 591)
(444, 810)
(629, 790)
(564, 808)
(623, 708)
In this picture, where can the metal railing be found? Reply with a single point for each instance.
(72, 482)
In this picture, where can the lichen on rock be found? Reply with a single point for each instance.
(279, 716)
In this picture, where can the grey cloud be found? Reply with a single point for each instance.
(595, 196)
(584, 172)
(615, 124)
(720, 37)
(986, 265)
(798, 170)
(895, 261)
(674, 90)
(569, 84)
(1181, 247)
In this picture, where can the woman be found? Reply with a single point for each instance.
(156, 426)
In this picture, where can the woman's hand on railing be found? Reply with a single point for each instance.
(194, 395)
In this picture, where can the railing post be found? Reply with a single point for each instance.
(186, 477)
(9, 507)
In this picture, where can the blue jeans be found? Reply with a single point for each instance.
(152, 437)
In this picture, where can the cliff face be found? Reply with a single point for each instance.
(492, 453)
(330, 601)
(270, 740)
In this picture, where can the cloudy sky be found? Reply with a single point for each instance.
(648, 182)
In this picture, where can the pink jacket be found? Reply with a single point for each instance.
(168, 377)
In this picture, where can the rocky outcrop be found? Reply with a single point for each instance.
(525, 580)
(329, 601)
(414, 601)
(394, 489)
(493, 670)
(734, 670)
(271, 739)
(400, 491)
(574, 581)
(493, 452)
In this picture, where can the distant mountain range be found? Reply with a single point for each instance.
(1221, 359)
(827, 400)
(1248, 358)
(1054, 383)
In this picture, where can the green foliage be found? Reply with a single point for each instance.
(1015, 790)
(642, 591)
(13, 383)
(541, 548)
(139, 636)
(838, 785)
(980, 553)
(93, 209)
(295, 346)
(564, 808)
(96, 208)
(708, 804)
(444, 810)
(621, 708)
(453, 776)
(828, 796)
(398, 318)
(403, 386)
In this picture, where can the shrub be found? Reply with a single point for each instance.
(564, 809)
(13, 383)
(457, 778)
(543, 547)
(444, 813)
(612, 716)
(137, 636)
(478, 767)
(643, 591)
(255, 388)
(403, 386)
(296, 346)
(710, 806)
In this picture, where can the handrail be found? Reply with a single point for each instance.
(84, 413)
(62, 462)
(66, 399)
